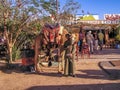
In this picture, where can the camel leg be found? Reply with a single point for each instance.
(38, 65)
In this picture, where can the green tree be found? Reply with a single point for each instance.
(16, 15)
(68, 11)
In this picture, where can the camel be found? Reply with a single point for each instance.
(42, 46)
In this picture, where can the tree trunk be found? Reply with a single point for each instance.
(10, 54)
(37, 44)
(9, 58)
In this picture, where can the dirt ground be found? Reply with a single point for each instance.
(88, 77)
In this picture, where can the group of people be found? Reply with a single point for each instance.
(94, 40)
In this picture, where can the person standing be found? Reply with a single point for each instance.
(95, 41)
(81, 37)
(69, 64)
(100, 39)
(90, 40)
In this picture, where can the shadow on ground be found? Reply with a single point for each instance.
(94, 74)
(109, 51)
(9, 69)
(89, 74)
(107, 86)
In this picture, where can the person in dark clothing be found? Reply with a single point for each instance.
(81, 37)
(69, 67)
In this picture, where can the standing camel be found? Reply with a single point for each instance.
(45, 41)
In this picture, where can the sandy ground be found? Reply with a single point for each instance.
(88, 77)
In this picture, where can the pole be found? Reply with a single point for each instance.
(56, 6)
(57, 10)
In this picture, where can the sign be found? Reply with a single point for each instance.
(100, 21)
(112, 17)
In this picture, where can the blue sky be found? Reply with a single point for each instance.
(99, 7)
